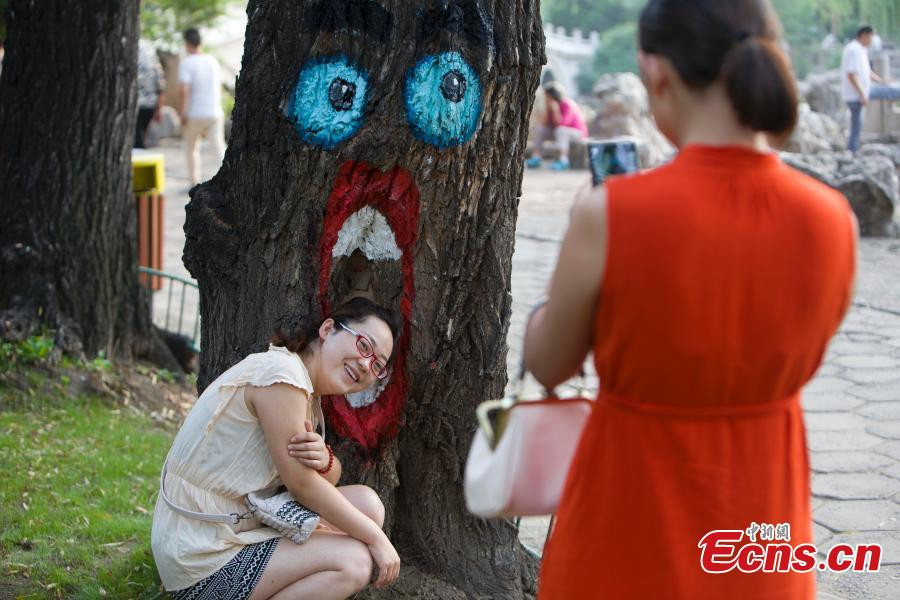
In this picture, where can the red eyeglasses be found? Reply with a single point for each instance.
(365, 349)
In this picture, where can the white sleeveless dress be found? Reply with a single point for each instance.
(219, 456)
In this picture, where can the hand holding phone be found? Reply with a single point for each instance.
(612, 157)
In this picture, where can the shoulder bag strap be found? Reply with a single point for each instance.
(233, 518)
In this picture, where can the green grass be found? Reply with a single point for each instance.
(78, 479)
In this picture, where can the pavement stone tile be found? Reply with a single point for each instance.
(821, 534)
(882, 585)
(835, 421)
(863, 336)
(533, 532)
(878, 392)
(866, 361)
(827, 385)
(830, 402)
(859, 515)
(881, 411)
(845, 347)
(892, 471)
(891, 449)
(854, 486)
(848, 462)
(824, 441)
(889, 541)
(865, 376)
(829, 370)
(887, 429)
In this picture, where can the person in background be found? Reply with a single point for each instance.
(707, 290)
(856, 82)
(151, 86)
(201, 103)
(562, 122)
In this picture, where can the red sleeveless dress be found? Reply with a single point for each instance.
(727, 274)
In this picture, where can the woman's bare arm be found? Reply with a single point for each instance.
(281, 409)
(560, 334)
(333, 476)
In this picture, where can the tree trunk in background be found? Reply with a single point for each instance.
(67, 217)
(377, 149)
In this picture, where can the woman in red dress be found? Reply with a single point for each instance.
(707, 290)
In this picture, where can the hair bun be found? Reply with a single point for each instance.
(761, 85)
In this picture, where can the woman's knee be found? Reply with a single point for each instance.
(368, 502)
(357, 565)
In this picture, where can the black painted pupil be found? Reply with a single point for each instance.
(453, 87)
(341, 94)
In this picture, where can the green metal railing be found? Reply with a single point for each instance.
(171, 297)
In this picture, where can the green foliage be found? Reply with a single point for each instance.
(166, 375)
(30, 351)
(617, 54)
(590, 15)
(76, 493)
(801, 18)
(164, 21)
(101, 363)
(806, 23)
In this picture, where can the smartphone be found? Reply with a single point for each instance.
(612, 157)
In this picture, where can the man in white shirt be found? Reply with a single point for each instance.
(856, 82)
(201, 102)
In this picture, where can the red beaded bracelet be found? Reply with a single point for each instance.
(330, 460)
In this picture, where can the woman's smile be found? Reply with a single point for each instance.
(351, 373)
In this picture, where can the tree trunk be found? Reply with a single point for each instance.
(67, 225)
(377, 149)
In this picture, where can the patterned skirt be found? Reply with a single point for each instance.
(236, 580)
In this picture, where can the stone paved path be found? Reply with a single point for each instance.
(853, 404)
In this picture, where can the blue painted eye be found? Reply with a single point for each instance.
(443, 100)
(328, 101)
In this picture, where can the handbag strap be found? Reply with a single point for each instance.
(232, 518)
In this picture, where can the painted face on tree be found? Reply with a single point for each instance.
(341, 100)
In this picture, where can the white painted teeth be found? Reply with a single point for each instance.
(367, 230)
(367, 396)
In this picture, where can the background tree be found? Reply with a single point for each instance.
(3, 5)
(67, 224)
(377, 149)
(164, 21)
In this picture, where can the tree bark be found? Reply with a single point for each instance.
(353, 116)
(67, 224)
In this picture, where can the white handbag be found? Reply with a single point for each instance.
(520, 457)
(284, 514)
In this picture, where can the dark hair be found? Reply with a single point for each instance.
(553, 90)
(192, 37)
(736, 41)
(352, 311)
(864, 30)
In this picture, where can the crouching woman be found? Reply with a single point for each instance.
(256, 424)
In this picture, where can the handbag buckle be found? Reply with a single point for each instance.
(238, 517)
(492, 418)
